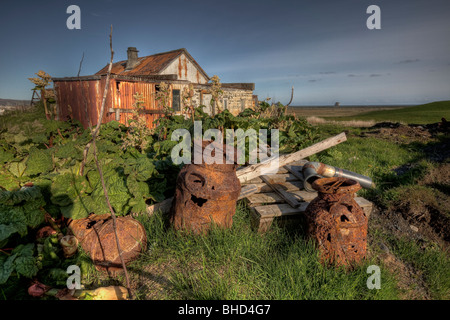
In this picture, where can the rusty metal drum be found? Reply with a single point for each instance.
(336, 221)
(205, 194)
(96, 236)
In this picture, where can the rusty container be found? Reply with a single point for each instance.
(205, 194)
(337, 222)
(96, 236)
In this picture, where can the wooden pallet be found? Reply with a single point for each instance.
(270, 205)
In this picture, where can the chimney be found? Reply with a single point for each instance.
(132, 54)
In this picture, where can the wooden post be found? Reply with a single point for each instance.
(256, 170)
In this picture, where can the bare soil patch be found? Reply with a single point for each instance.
(401, 133)
(411, 282)
(425, 208)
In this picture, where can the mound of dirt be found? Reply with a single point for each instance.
(423, 210)
(395, 131)
(399, 133)
(422, 219)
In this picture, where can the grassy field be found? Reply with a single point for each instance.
(337, 111)
(283, 264)
(421, 114)
(407, 235)
(241, 264)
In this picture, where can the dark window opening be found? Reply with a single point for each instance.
(176, 100)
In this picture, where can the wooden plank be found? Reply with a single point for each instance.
(283, 170)
(276, 178)
(248, 190)
(280, 171)
(164, 206)
(272, 197)
(278, 210)
(256, 170)
(295, 170)
(288, 185)
(284, 209)
(290, 199)
(261, 225)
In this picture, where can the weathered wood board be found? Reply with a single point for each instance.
(268, 206)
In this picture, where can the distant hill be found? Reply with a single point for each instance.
(13, 103)
(421, 114)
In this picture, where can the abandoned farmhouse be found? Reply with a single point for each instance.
(143, 75)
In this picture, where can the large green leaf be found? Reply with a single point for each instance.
(6, 267)
(6, 230)
(67, 187)
(39, 162)
(21, 260)
(17, 168)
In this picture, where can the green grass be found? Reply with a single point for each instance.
(14, 117)
(429, 259)
(374, 158)
(242, 264)
(377, 158)
(422, 114)
(282, 264)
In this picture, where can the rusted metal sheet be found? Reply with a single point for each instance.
(74, 95)
(205, 194)
(147, 65)
(123, 93)
(336, 221)
(96, 236)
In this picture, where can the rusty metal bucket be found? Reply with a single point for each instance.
(96, 236)
(337, 222)
(205, 194)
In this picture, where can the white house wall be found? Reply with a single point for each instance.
(185, 69)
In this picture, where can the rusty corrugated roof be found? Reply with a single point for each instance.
(150, 65)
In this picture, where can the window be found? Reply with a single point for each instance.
(242, 104)
(225, 104)
(176, 100)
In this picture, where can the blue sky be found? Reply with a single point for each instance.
(322, 48)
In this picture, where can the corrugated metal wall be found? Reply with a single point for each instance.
(71, 102)
(123, 92)
(74, 95)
